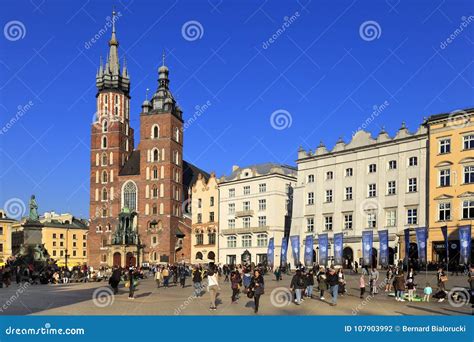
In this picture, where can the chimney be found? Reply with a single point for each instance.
(234, 167)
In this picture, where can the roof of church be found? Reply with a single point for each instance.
(132, 165)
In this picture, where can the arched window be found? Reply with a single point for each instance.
(104, 194)
(129, 196)
(155, 173)
(199, 255)
(156, 155)
(154, 192)
(154, 209)
(176, 134)
(155, 132)
(116, 111)
(104, 142)
(104, 176)
(104, 159)
(176, 157)
(105, 126)
(126, 145)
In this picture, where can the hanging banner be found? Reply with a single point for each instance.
(383, 238)
(284, 249)
(407, 245)
(295, 247)
(465, 242)
(338, 242)
(308, 250)
(421, 240)
(323, 249)
(270, 252)
(367, 242)
(444, 230)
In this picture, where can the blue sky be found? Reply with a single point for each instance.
(323, 71)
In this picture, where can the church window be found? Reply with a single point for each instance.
(155, 173)
(156, 155)
(104, 142)
(155, 132)
(105, 126)
(176, 134)
(104, 194)
(155, 191)
(129, 196)
(104, 159)
(104, 176)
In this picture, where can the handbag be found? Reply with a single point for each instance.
(443, 279)
(250, 294)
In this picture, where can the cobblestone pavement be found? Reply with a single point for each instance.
(97, 299)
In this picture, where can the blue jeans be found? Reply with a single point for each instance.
(334, 289)
(309, 291)
(399, 294)
(197, 289)
(298, 295)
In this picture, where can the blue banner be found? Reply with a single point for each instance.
(444, 230)
(284, 249)
(295, 247)
(383, 238)
(465, 242)
(270, 252)
(308, 250)
(323, 249)
(367, 242)
(407, 245)
(421, 240)
(338, 242)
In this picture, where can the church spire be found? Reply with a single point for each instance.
(113, 49)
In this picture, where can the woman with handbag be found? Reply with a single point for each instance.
(257, 287)
(235, 281)
(442, 279)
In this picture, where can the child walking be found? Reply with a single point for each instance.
(427, 291)
(362, 286)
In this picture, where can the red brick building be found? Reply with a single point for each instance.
(137, 195)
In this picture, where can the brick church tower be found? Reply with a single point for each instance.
(137, 195)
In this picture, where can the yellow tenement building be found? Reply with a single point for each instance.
(5, 237)
(451, 181)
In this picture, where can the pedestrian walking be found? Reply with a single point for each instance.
(309, 284)
(114, 279)
(322, 283)
(333, 282)
(158, 277)
(213, 286)
(399, 286)
(257, 286)
(235, 281)
(362, 285)
(297, 285)
(427, 291)
(197, 281)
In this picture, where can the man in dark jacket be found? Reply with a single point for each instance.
(297, 285)
(333, 282)
(114, 279)
(197, 279)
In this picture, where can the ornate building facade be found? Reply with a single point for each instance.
(136, 194)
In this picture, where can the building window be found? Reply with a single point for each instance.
(211, 237)
(348, 221)
(211, 201)
(262, 240)
(444, 211)
(104, 194)
(391, 188)
(468, 142)
(371, 220)
(246, 222)
(468, 174)
(104, 176)
(310, 200)
(412, 216)
(199, 218)
(155, 155)
(154, 209)
(372, 168)
(104, 159)
(54, 234)
(391, 216)
(231, 223)
(328, 196)
(262, 221)
(349, 193)
(231, 208)
(328, 222)
(199, 203)
(310, 178)
(199, 238)
(445, 177)
(176, 157)
(104, 142)
(211, 216)
(54, 253)
(176, 134)
(310, 224)
(130, 196)
(155, 132)
(392, 165)
(231, 192)
(329, 175)
(246, 241)
(349, 172)
(468, 209)
(372, 190)
(444, 146)
(246, 190)
(246, 206)
(262, 187)
(413, 161)
(412, 185)
(155, 173)
(262, 204)
(231, 241)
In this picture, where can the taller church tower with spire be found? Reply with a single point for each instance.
(137, 196)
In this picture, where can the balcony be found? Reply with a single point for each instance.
(244, 213)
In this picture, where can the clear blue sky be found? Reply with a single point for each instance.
(319, 69)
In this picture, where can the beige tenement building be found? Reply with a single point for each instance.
(366, 184)
(205, 219)
(255, 205)
(5, 237)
